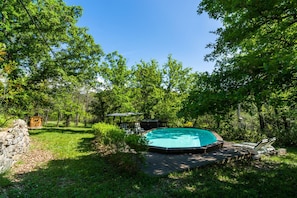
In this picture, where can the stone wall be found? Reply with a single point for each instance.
(13, 143)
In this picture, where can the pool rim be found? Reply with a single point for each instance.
(202, 149)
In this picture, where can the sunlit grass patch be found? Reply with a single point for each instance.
(64, 144)
(289, 158)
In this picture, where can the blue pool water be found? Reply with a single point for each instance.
(180, 137)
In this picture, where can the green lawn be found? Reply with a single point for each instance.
(77, 171)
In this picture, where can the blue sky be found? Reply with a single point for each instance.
(150, 29)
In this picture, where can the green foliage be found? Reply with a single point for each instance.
(255, 50)
(123, 151)
(128, 163)
(5, 121)
(255, 56)
(287, 137)
(175, 123)
(114, 71)
(45, 53)
(137, 142)
(229, 134)
(176, 83)
(114, 94)
(109, 135)
(155, 91)
(2, 52)
(146, 84)
(2, 121)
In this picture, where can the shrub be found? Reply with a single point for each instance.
(287, 137)
(4, 121)
(109, 136)
(124, 151)
(136, 142)
(231, 134)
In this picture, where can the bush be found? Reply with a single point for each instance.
(231, 134)
(287, 137)
(4, 122)
(136, 142)
(109, 136)
(128, 163)
(125, 151)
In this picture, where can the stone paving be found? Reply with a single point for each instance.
(163, 164)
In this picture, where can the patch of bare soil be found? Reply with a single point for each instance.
(32, 160)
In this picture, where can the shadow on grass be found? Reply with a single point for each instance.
(4, 182)
(86, 144)
(235, 181)
(92, 176)
(95, 176)
(65, 178)
(88, 176)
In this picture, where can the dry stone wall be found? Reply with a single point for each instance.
(13, 143)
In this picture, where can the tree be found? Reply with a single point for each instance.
(147, 87)
(256, 47)
(101, 105)
(116, 78)
(47, 48)
(176, 83)
(258, 39)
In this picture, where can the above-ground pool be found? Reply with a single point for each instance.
(183, 140)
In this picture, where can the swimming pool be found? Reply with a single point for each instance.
(183, 140)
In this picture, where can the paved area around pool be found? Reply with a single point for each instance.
(163, 164)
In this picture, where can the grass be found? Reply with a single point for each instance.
(65, 143)
(77, 171)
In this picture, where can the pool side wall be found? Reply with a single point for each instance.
(204, 149)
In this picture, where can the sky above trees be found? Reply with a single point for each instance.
(150, 29)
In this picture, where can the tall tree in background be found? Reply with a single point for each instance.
(177, 82)
(258, 39)
(147, 87)
(255, 50)
(115, 93)
(47, 47)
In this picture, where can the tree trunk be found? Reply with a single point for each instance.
(85, 121)
(218, 124)
(277, 119)
(239, 118)
(218, 121)
(67, 121)
(59, 118)
(286, 123)
(46, 116)
(76, 119)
